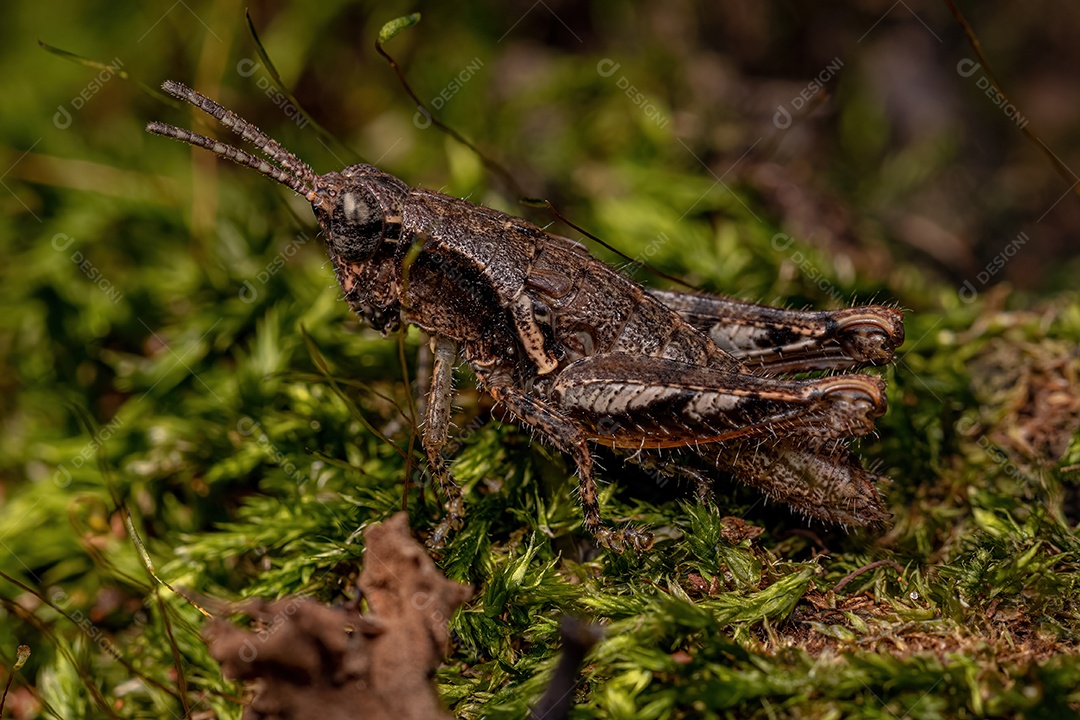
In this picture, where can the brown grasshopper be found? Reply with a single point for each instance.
(581, 354)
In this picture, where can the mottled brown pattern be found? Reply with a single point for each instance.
(580, 353)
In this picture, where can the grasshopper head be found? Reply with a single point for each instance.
(358, 208)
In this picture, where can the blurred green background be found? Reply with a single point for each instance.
(803, 154)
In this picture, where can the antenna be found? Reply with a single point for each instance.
(296, 174)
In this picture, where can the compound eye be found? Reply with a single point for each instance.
(356, 226)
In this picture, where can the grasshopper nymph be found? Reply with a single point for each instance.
(582, 354)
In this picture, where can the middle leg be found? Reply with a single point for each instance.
(568, 437)
(436, 429)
